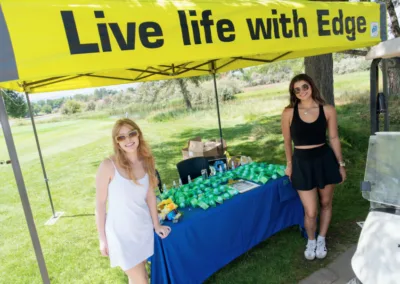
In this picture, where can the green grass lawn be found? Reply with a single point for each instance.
(73, 149)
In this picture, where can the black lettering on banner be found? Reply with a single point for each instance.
(322, 23)
(258, 28)
(273, 26)
(99, 14)
(361, 25)
(129, 42)
(296, 22)
(206, 22)
(103, 32)
(148, 30)
(184, 27)
(104, 37)
(276, 25)
(225, 26)
(195, 28)
(71, 31)
(338, 30)
(287, 33)
(350, 26)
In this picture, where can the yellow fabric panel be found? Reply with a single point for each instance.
(101, 43)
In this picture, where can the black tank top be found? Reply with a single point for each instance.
(304, 133)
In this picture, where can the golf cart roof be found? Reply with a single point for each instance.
(385, 49)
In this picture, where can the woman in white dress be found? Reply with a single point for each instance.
(127, 180)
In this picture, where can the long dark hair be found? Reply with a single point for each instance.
(315, 94)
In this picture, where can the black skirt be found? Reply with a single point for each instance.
(314, 168)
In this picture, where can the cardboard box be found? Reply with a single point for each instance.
(197, 148)
(187, 153)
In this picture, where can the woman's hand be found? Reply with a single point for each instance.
(288, 171)
(104, 247)
(163, 231)
(342, 171)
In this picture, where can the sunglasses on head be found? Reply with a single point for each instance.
(130, 134)
(305, 87)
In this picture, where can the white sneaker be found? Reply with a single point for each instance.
(309, 253)
(321, 250)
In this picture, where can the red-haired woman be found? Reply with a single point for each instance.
(127, 180)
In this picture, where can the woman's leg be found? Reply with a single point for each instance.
(309, 200)
(138, 274)
(325, 199)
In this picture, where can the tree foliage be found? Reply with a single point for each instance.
(16, 105)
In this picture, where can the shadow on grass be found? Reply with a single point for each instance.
(259, 139)
(77, 215)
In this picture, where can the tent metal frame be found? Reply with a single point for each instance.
(22, 190)
(169, 70)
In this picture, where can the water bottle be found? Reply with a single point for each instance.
(174, 184)
(180, 182)
(233, 165)
(225, 167)
(213, 172)
(165, 188)
(220, 169)
(204, 174)
(189, 179)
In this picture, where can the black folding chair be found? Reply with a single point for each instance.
(192, 167)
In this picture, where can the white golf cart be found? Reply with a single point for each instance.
(377, 258)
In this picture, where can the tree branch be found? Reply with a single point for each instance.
(355, 52)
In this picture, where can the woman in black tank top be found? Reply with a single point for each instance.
(313, 166)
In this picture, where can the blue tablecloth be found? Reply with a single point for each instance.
(206, 240)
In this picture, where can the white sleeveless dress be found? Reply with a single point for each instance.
(129, 227)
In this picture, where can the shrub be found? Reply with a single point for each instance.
(71, 107)
(91, 106)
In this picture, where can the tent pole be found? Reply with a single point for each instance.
(22, 191)
(40, 154)
(386, 92)
(219, 116)
(374, 90)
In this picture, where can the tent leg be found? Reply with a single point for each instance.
(40, 154)
(374, 89)
(386, 92)
(22, 191)
(219, 116)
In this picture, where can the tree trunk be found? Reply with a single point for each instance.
(394, 21)
(185, 93)
(393, 68)
(320, 69)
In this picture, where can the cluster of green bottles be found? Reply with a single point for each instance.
(205, 193)
(260, 172)
(201, 193)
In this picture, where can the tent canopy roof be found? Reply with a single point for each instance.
(386, 49)
(50, 46)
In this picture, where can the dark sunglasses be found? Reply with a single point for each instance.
(305, 87)
(130, 134)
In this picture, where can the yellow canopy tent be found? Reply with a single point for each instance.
(63, 45)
